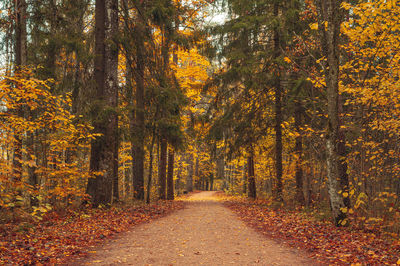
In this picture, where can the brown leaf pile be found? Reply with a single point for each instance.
(58, 238)
(325, 242)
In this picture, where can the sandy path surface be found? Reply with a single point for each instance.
(204, 233)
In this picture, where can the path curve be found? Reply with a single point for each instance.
(204, 233)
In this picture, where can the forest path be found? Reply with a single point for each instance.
(204, 233)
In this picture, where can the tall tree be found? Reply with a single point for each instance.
(104, 149)
(189, 176)
(20, 62)
(20, 33)
(162, 167)
(299, 152)
(251, 44)
(278, 104)
(138, 125)
(329, 24)
(170, 98)
(170, 175)
(250, 175)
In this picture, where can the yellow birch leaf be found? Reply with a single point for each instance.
(314, 26)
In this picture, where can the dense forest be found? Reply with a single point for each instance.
(108, 102)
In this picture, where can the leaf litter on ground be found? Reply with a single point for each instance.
(59, 238)
(325, 242)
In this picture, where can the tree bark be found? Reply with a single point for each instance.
(51, 43)
(330, 37)
(251, 178)
(244, 179)
(170, 175)
(178, 178)
(150, 168)
(211, 181)
(104, 149)
(138, 129)
(189, 179)
(129, 97)
(299, 152)
(278, 111)
(221, 167)
(33, 178)
(112, 86)
(162, 170)
(20, 61)
(196, 174)
(165, 55)
(344, 177)
(20, 33)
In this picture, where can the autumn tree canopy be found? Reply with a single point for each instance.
(120, 101)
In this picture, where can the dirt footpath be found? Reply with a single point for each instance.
(204, 233)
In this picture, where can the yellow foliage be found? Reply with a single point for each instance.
(27, 107)
(370, 79)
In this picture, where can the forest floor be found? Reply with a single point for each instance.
(67, 235)
(203, 233)
(208, 228)
(326, 243)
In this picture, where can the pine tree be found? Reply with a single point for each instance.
(104, 150)
(138, 125)
(20, 62)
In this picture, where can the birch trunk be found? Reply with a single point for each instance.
(330, 37)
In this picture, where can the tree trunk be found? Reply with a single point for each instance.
(221, 167)
(178, 179)
(150, 168)
(330, 37)
(20, 61)
(162, 170)
(51, 43)
(278, 111)
(165, 55)
(308, 179)
(299, 153)
(33, 178)
(115, 193)
(189, 179)
(251, 177)
(244, 179)
(129, 97)
(170, 175)
(344, 177)
(104, 149)
(211, 182)
(138, 129)
(196, 173)
(20, 33)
